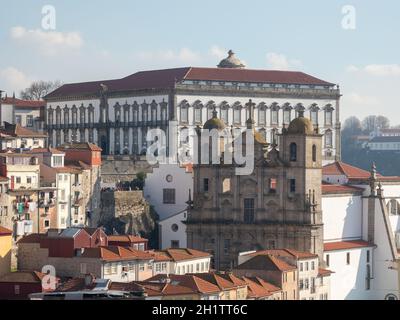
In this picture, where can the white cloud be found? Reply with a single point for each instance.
(359, 99)
(12, 79)
(383, 69)
(183, 56)
(218, 52)
(352, 68)
(278, 61)
(46, 42)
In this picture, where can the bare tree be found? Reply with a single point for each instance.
(371, 123)
(352, 126)
(39, 89)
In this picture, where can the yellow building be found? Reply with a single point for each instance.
(5, 250)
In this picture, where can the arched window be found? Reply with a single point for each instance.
(74, 115)
(197, 109)
(117, 113)
(135, 112)
(91, 114)
(293, 152)
(224, 107)
(314, 153)
(58, 115)
(262, 114)
(66, 115)
(126, 113)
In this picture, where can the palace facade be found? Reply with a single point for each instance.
(117, 114)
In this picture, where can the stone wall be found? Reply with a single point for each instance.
(122, 169)
(127, 212)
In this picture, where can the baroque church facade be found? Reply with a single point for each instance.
(117, 114)
(277, 206)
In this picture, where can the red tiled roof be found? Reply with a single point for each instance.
(126, 238)
(270, 287)
(24, 103)
(285, 253)
(328, 188)
(218, 280)
(166, 79)
(160, 256)
(192, 281)
(344, 245)
(4, 231)
(266, 262)
(45, 150)
(255, 290)
(15, 130)
(324, 272)
(116, 253)
(80, 146)
(341, 168)
(185, 254)
(32, 238)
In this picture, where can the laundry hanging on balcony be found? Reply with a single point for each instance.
(32, 206)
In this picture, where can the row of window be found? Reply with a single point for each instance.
(29, 120)
(190, 268)
(119, 115)
(305, 266)
(262, 115)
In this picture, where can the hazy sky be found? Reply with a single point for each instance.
(95, 40)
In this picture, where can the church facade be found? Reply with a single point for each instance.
(277, 206)
(117, 114)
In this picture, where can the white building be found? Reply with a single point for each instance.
(14, 136)
(172, 231)
(117, 114)
(167, 188)
(361, 225)
(26, 113)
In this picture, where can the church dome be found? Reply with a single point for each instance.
(301, 125)
(231, 62)
(214, 123)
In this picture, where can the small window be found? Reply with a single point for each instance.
(314, 153)
(46, 223)
(368, 256)
(205, 185)
(175, 244)
(348, 258)
(327, 260)
(169, 196)
(301, 266)
(312, 265)
(292, 186)
(249, 210)
(17, 289)
(293, 152)
(174, 227)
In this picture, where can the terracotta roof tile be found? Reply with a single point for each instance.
(24, 103)
(80, 146)
(344, 245)
(255, 290)
(16, 130)
(285, 253)
(116, 253)
(328, 188)
(185, 254)
(341, 168)
(266, 262)
(126, 238)
(324, 272)
(4, 231)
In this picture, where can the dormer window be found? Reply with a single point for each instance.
(58, 161)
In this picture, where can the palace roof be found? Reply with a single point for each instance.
(167, 78)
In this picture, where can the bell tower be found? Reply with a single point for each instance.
(300, 148)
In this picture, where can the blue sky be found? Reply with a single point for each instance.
(109, 39)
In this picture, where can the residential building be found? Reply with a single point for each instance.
(274, 270)
(5, 250)
(259, 289)
(26, 113)
(313, 282)
(19, 285)
(167, 189)
(181, 261)
(134, 242)
(117, 114)
(361, 228)
(14, 136)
